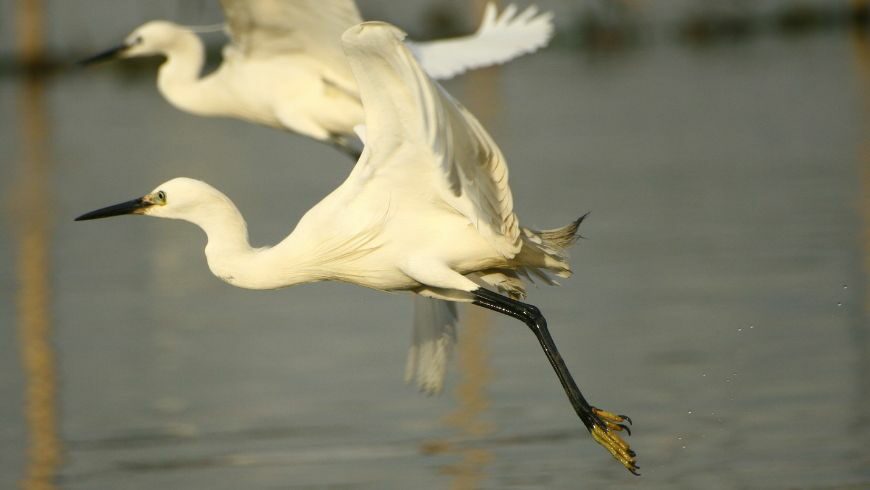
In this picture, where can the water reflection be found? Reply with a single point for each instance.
(32, 203)
(861, 43)
(722, 199)
(469, 418)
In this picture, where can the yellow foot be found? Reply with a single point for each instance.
(607, 434)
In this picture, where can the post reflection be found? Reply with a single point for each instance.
(32, 227)
(469, 419)
(860, 334)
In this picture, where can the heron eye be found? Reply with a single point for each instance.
(161, 196)
(138, 40)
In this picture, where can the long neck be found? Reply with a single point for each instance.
(231, 257)
(179, 77)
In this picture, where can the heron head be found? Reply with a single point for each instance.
(150, 39)
(179, 198)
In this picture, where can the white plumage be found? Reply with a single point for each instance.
(427, 209)
(435, 323)
(285, 68)
(499, 39)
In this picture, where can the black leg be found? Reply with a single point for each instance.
(602, 425)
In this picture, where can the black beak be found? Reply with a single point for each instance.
(106, 55)
(136, 206)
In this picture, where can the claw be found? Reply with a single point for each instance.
(607, 434)
(610, 416)
(618, 427)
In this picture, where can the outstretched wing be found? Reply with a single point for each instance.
(267, 28)
(405, 107)
(500, 38)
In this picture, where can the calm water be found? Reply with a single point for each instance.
(720, 299)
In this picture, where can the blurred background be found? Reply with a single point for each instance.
(720, 298)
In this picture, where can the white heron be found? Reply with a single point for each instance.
(427, 209)
(285, 68)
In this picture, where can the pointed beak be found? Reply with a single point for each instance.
(106, 55)
(136, 206)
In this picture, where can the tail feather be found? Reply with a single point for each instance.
(562, 238)
(545, 253)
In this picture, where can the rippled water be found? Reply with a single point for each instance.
(720, 299)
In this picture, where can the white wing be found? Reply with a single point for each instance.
(267, 28)
(500, 38)
(405, 107)
(434, 337)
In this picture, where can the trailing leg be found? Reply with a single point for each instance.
(604, 426)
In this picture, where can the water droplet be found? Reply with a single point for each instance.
(690, 412)
(845, 286)
(839, 303)
(703, 375)
(684, 447)
(751, 327)
(679, 438)
(739, 329)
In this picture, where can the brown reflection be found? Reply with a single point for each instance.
(860, 334)
(861, 42)
(32, 204)
(469, 418)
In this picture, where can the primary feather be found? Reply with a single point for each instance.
(500, 38)
(404, 107)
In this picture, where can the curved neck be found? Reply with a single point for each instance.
(179, 77)
(227, 234)
(225, 228)
(232, 259)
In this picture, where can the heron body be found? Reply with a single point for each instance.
(285, 67)
(427, 209)
(294, 92)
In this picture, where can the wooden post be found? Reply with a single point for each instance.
(860, 338)
(469, 418)
(32, 225)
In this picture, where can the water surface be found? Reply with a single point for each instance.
(720, 298)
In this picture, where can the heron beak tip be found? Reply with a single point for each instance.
(135, 206)
(106, 55)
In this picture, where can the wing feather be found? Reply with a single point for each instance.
(268, 28)
(499, 39)
(405, 107)
(432, 343)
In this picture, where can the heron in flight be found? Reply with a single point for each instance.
(427, 209)
(284, 66)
